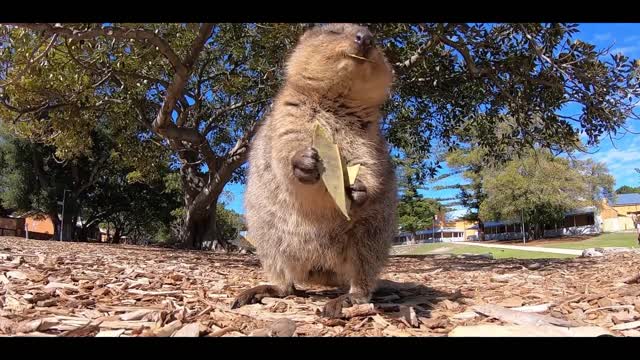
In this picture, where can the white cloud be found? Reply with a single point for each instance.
(625, 50)
(456, 214)
(584, 137)
(631, 38)
(622, 162)
(617, 157)
(602, 37)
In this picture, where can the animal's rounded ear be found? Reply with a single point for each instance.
(310, 29)
(309, 26)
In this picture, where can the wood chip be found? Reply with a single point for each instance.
(168, 329)
(110, 333)
(11, 303)
(222, 331)
(450, 305)
(282, 328)
(380, 321)
(136, 315)
(491, 330)
(359, 310)
(605, 303)
(58, 285)
(502, 278)
(83, 331)
(413, 319)
(7, 326)
(626, 326)
(131, 325)
(612, 307)
(517, 317)
(435, 323)
(467, 315)
(28, 326)
(533, 308)
(189, 330)
(154, 293)
(16, 275)
(631, 333)
(515, 301)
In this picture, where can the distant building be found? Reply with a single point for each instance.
(443, 231)
(31, 225)
(582, 221)
(616, 214)
(39, 224)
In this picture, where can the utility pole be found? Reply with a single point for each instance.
(62, 220)
(524, 238)
(433, 228)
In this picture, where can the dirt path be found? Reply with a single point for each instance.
(527, 248)
(440, 250)
(51, 288)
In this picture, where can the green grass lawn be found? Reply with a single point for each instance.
(497, 253)
(426, 248)
(604, 240)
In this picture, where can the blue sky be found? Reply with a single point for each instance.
(621, 156)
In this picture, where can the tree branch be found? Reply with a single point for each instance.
(464, 51)
(421, 50)
(32, 61)
(112, 32)
(208, 127)
(113, 71)
(174, 91)
(94, 175)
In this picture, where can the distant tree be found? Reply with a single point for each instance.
(102, 187)
(470, 163)
(129, 206)
(414, 211)
(625, 189)
(33, 179)
(542, 188)
(230, 223)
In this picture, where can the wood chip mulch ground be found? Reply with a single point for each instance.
(50, 288)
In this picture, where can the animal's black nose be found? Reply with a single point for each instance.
(364, 39)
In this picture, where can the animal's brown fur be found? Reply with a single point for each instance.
(299, 233)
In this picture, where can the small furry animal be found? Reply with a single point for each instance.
(338, 77)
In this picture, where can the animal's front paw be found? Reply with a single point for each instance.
(255, 294)
(333, 308)
(358, 193)
(306, 165)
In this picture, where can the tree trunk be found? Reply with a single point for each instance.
(480, 230)
(200, 204)
(200, 226)
(68, 231)
(53, 215)
(81, 234)
(115, 239)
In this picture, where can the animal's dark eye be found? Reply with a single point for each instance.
(335, 32)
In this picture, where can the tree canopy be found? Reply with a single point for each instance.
(541, 188)
(416, 212)
(626, 189)
(197, 91)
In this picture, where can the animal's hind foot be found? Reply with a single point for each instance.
(257, 293)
